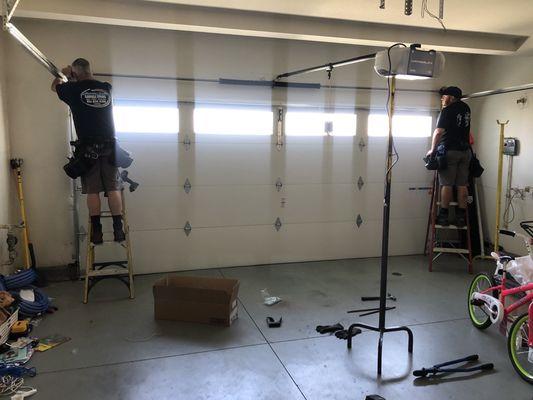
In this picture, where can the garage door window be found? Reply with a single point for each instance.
(241, 121)
(146, 118)
(403, 125)
(306, 123)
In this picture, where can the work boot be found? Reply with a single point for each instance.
(97, 237)
(442, 217)
(118, 234)
(118, 231)
(460, 217)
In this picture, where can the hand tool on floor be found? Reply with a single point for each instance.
(329, 328)
(439, 368)
(272, 323)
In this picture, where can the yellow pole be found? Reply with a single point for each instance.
(499, 186)
(16, 164)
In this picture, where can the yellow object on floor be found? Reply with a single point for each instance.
(20, 326)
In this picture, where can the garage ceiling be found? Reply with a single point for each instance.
(474, 26)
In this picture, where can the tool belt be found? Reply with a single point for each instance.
(86, 153)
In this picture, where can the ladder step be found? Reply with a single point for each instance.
(450, 250)
(108, 272)
(123, 244)
(452, 203)
(450, 227)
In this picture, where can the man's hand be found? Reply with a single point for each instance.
(430, 152)
(67, 71)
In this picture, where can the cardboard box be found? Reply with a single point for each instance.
(194, 299)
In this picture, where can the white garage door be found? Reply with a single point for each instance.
(216, 189)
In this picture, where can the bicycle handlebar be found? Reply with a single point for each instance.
(508, 233)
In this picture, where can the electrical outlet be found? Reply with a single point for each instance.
(527, 189)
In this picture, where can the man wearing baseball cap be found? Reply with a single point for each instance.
(451, 137)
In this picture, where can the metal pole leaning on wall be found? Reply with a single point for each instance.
(499, 186)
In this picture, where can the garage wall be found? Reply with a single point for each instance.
(495, 73)
(233, 203)
(5, 182)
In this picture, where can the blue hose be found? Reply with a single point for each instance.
(33, 308)
(21, 279)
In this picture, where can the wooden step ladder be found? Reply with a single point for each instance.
(437, 245)
(98, 271)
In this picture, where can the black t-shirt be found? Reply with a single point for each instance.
(455, 120)
(92, 109)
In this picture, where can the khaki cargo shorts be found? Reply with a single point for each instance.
(458, 170)
(102, 177)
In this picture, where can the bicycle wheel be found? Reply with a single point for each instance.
(518, 349)
(479, 315)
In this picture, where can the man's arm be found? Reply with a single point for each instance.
(58, 81)
(437, 135)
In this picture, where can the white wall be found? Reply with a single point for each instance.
(6, 185)
(494, 73)
(233, 203)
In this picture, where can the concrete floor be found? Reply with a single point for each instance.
(118, 350)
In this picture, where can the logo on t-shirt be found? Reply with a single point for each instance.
(98, 98)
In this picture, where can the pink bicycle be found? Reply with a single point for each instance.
(487, 304)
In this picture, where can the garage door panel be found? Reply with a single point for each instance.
(410, 167)
(203, 206)
(155, 164)
(231, 164)
(318, 203)
(321, 164)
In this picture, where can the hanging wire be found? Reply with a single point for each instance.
(389, 77)
(425, 10)
(509, 213)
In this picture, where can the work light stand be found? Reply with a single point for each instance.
(382, 329)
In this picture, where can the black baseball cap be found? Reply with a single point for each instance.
(451, 91)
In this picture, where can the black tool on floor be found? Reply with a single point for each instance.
(375, 298)
(272, 323)
(344, 333)
(374, 397)
(329, 328)
(439, 368)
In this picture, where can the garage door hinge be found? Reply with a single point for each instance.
(359, 221)
(187, 228)
(362, 144)
(187, 186)
(360, 183)
(279, 184)
(278, 224)
(187, 142)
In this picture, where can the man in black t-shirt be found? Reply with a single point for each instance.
(452, 137)
(92, 110)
